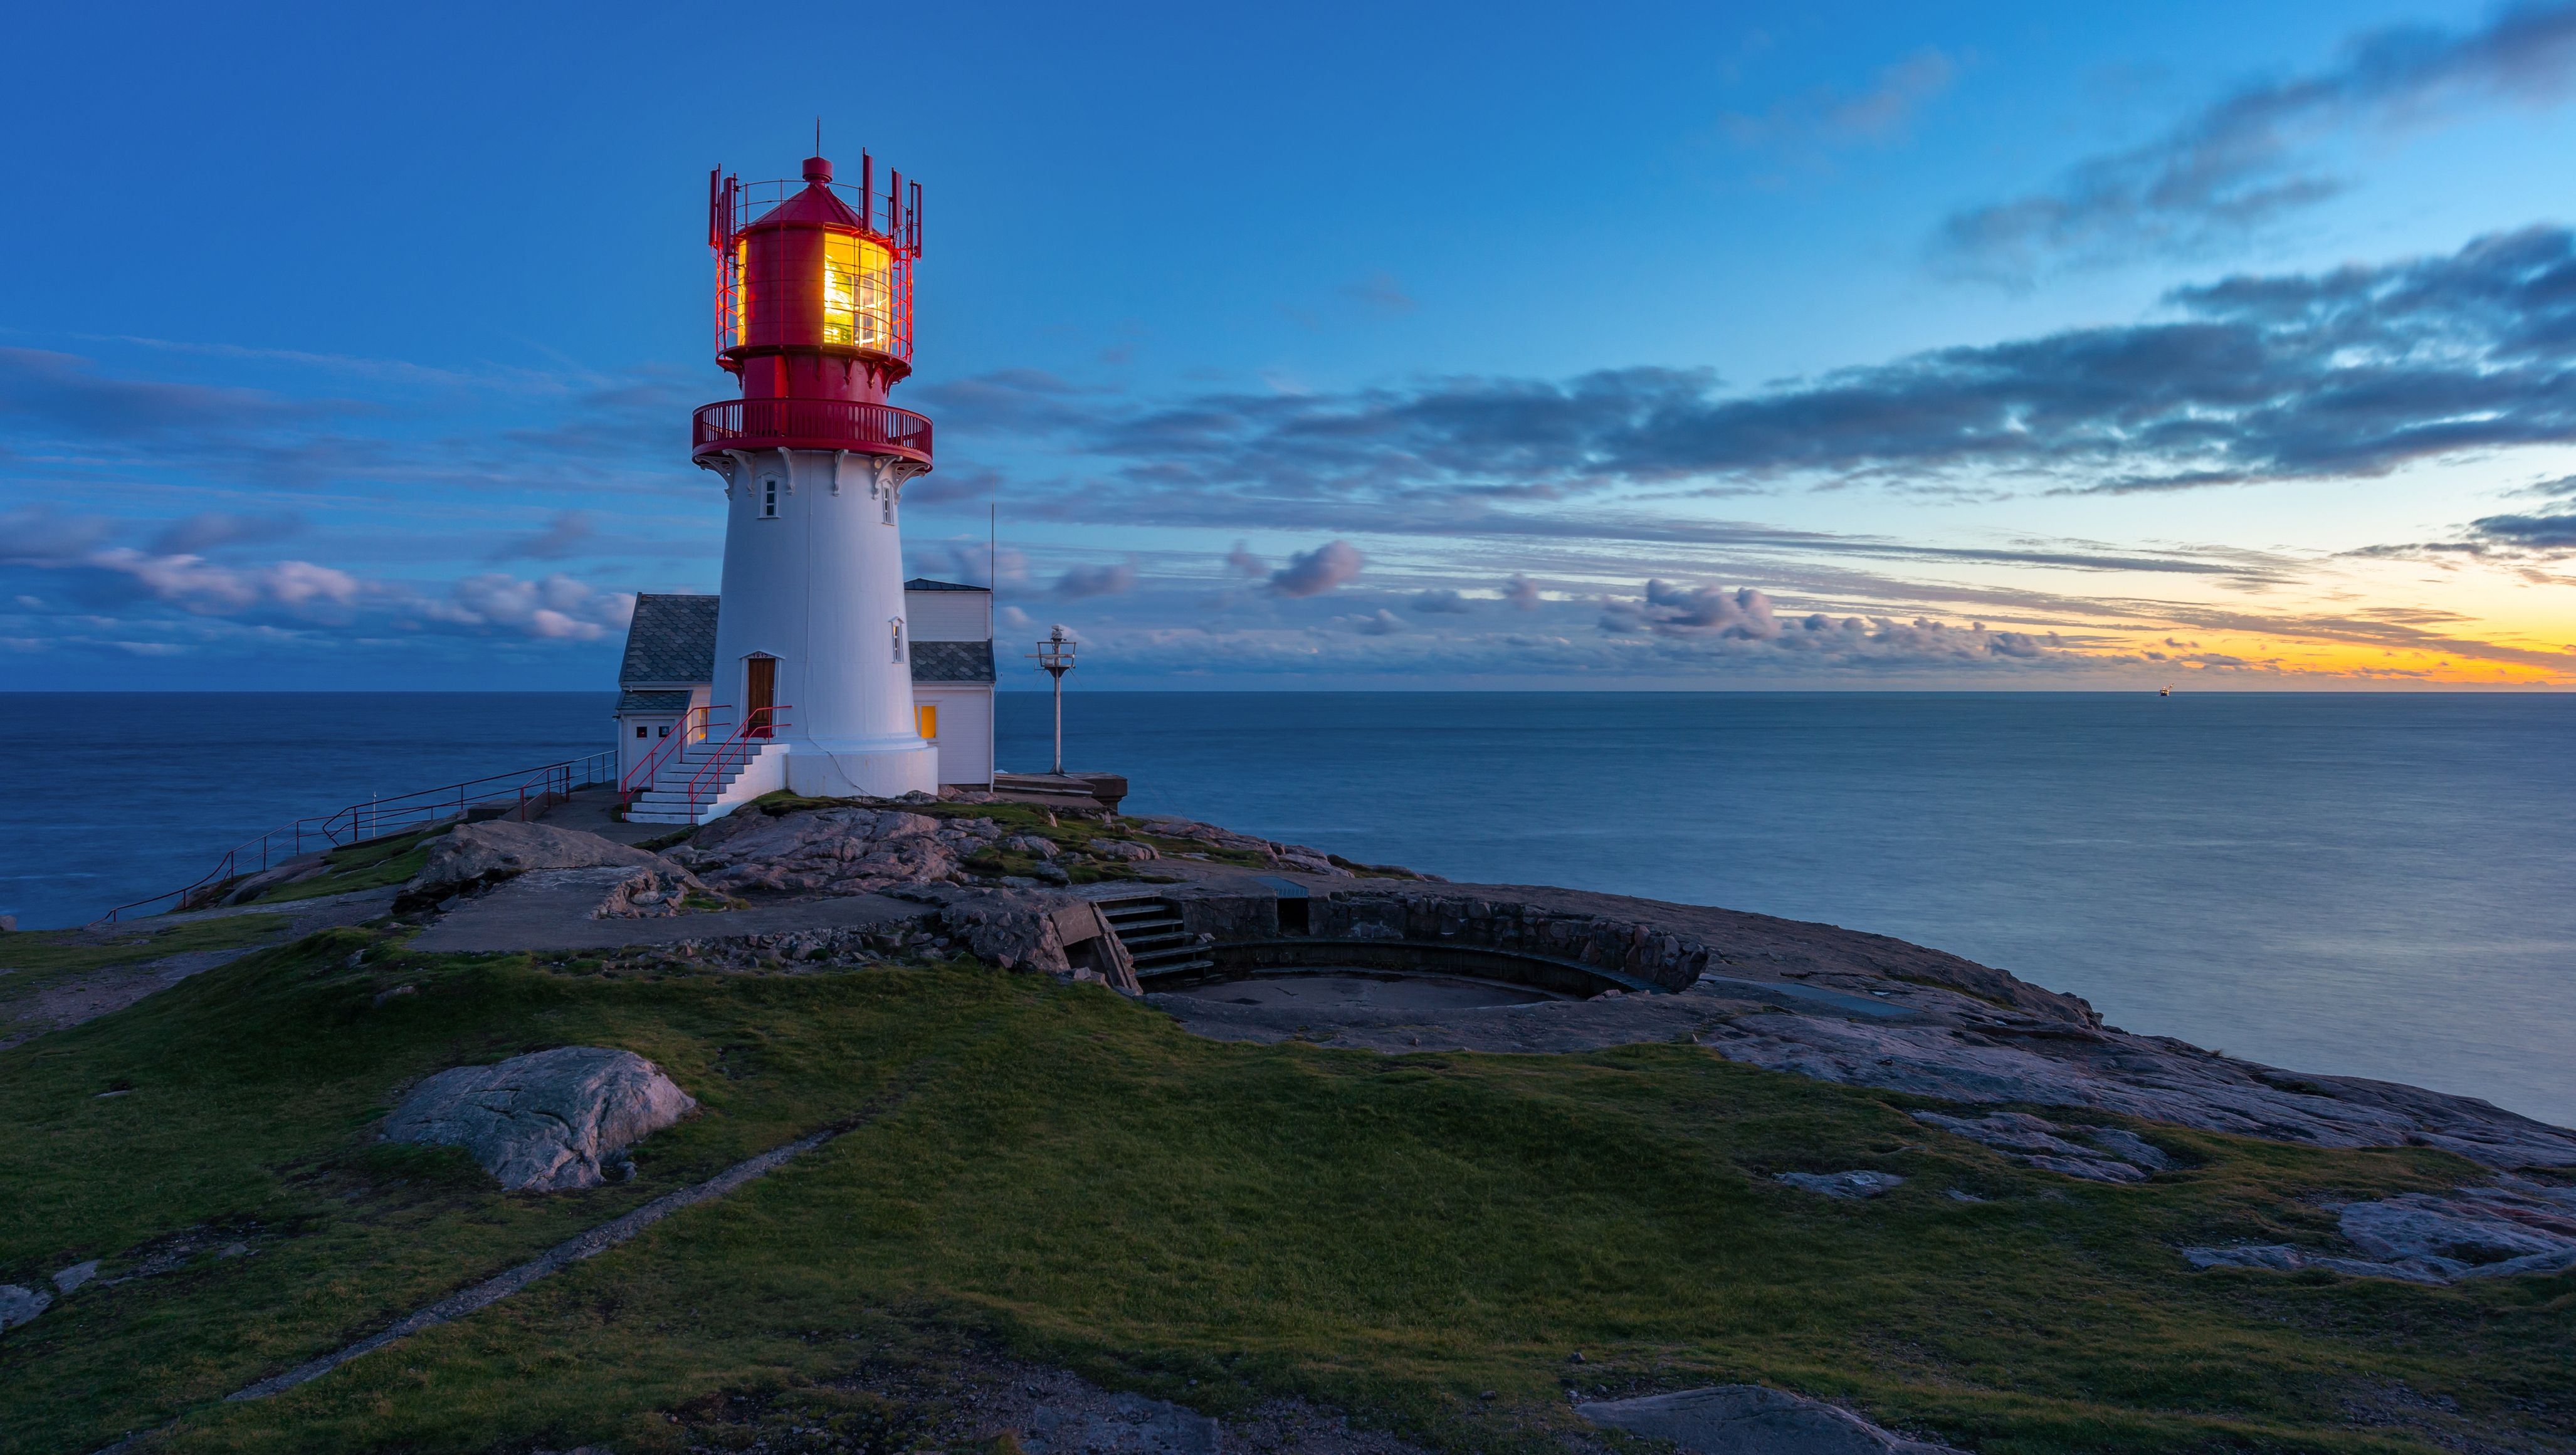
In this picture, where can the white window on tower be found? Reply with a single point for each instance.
(895, 625)
(769, 499)
(886, 503)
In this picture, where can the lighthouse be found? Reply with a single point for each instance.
(812, 674)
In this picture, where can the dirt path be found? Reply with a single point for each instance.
(62, 1000)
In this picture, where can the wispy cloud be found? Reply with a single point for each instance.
(1082, 581)
(1831, 119)
(568, 534)
(1380, 293)
(2351, 373)
(2260, 151)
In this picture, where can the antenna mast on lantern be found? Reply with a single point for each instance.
(1055, 654)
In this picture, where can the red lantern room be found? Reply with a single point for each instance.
(814, 313)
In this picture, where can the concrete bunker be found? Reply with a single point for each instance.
(1387, 949)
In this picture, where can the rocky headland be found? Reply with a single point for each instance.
(1234, 938)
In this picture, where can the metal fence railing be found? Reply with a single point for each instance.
(519, 795)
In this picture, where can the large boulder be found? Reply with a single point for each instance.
(849, 850)
(1750, 1419)
(543, 1122)
(475, 855)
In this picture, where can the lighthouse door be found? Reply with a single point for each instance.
(760, 695)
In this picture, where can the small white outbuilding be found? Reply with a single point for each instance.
(667, 676)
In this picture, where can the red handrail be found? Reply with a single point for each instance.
(758, 725)
(645, 772)
(817, 424)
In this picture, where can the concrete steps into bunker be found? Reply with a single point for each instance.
(1150, 927)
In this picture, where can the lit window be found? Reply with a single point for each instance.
(858, 292)
(741, 300)
(769, 499)
(926, 718)
(896, 626)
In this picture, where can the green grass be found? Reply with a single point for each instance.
(375, 865)
(1072, 1176)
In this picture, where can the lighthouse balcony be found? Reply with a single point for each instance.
(811, 424)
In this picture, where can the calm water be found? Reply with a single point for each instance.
(2372, 885)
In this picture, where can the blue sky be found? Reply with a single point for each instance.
(1759, 346)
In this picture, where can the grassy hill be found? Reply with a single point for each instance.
(1068, 1175)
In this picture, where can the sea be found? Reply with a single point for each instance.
(2378, 885)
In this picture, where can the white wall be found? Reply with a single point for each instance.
(820, 588)
(632, 750)
(950, 616)
(965, 730)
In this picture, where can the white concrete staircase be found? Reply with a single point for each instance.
(748, 769)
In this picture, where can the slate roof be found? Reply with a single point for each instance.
(673, 703)
(952, 661)
(671, 639)
(924, 583)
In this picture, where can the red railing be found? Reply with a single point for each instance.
(498, 795)
(641, 776)
(810, 424)
(758, 728)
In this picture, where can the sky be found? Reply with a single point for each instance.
(1761, 346)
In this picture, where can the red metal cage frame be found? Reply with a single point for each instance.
(892, 219)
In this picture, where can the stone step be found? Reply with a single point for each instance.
(1160, 919)
(1181, 968)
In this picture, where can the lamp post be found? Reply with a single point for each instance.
(1055, 654)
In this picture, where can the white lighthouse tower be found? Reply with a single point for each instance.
(812, 681)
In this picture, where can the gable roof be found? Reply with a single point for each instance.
(952, 661)
(674, 702)
(672, 639)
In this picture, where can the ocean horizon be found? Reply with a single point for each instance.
(2370, 884)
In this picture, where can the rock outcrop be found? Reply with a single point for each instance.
(476, 855)
(1842, 1184)
(2113, 1156)
(544, 1122)
(1286, 856)
(1750, 1419)
(835, 850)
(248, 888)
(647, 891)
(19, 1304)
(1034, 929)
(2152, 1078)
(2515, 1226)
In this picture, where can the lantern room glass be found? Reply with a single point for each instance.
(858, 292)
